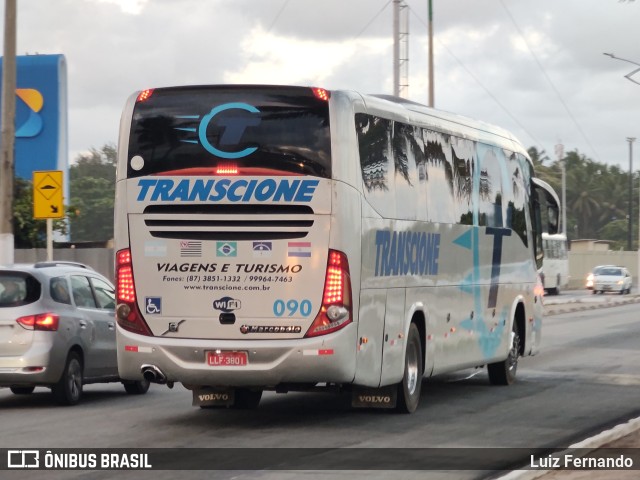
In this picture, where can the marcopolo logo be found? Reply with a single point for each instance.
(228, 123)
(227, 304)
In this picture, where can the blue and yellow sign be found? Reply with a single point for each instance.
(41, 114)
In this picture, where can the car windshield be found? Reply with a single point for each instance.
(616, 272)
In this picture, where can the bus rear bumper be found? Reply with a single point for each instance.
(329, 358)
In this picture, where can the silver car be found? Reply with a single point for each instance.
(57, 329)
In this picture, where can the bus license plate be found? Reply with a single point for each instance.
(227, 359)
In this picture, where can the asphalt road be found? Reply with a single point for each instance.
(584, 380)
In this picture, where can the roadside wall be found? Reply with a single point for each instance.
(100, 259)
(581, 263)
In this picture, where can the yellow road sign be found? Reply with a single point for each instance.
(48, 194)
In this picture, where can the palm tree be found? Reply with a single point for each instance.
(583, 188)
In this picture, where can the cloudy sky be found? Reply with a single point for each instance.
(535, 67)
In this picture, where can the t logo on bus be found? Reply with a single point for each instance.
(234, 127)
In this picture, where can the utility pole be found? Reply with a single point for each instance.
(400, 49)
(563, 166)
(630, 234)
(431, 86)
(8, 133)
(396, 47)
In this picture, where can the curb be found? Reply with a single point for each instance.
(591, 444)
(604, 437)
(557, 308)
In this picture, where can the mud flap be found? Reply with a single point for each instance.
(383, 397)
(213, 397)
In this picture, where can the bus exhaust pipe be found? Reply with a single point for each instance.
(153, 374)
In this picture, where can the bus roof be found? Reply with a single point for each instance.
(417, 113)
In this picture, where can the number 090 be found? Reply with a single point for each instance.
(291, 307)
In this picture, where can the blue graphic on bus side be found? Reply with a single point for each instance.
(192, 190)
(234, 127)
(402, 253)
(489, 337)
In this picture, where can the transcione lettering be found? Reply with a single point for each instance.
(238, 190)
(406, 253)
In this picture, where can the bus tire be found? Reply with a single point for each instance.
(247, 399)
(410, 387)
(504, 372)
(138, 387)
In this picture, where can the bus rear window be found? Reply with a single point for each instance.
(229, 130)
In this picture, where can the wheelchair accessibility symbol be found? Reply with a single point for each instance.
(153, 305)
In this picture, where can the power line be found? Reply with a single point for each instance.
(273, 23)
(372, 20)
(477, 80)
(559, 95)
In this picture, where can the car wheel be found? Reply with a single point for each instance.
(22, 390)
(411, 386)
(139, 387)
(504, 373)
(68, 390)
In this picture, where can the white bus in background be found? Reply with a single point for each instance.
(555, 266)
(292, 238)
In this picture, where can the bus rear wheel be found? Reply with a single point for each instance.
(411, 386)
(504, 372)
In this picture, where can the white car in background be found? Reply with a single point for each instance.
(612, 279)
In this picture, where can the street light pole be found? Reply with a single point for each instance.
(631, 140)
(628, 75)
(563, 168)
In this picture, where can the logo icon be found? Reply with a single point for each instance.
(28, 120)
(173, 327)
(262, 249)
(23, 459)
(227, 304)
(226, 249)
(230, 127)
(153, 305)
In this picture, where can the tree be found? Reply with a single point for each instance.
(92, 185)
(27, 231)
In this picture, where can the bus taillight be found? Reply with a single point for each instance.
(127, 312)
(227, 169)
(321, 93)
(144, 95)
(335, 312)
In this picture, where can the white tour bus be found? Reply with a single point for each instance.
(291, 238)
(555, 266)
